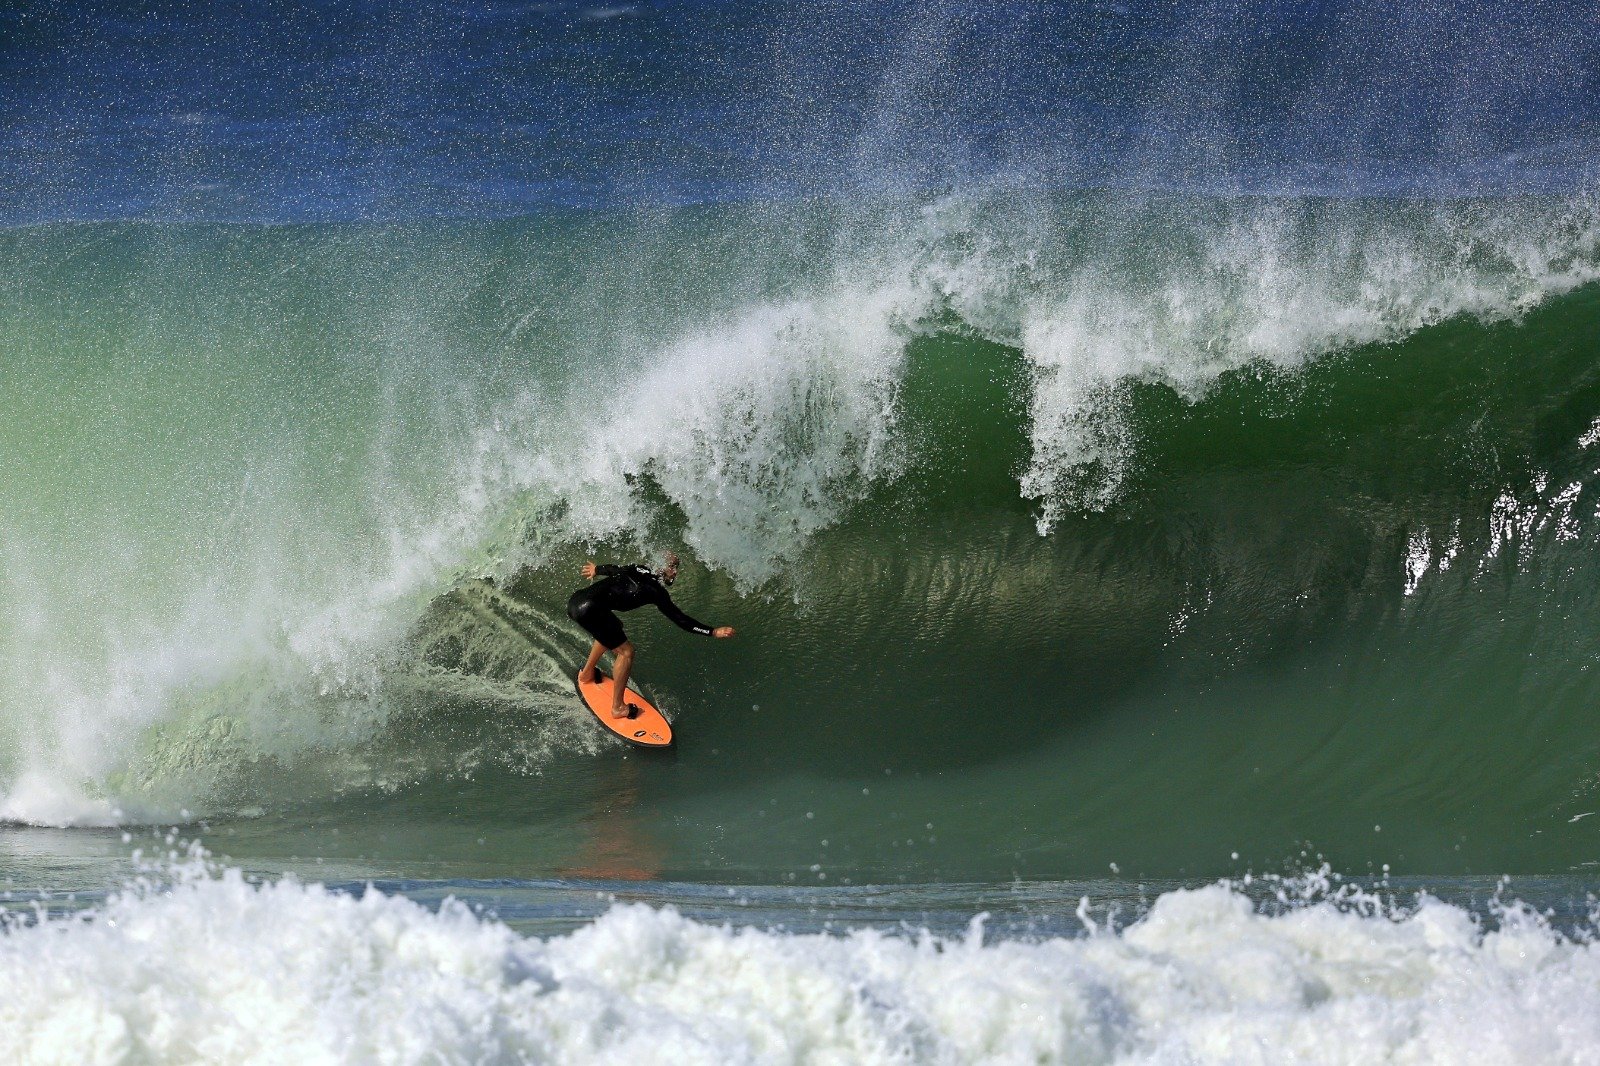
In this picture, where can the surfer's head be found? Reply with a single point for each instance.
(669, 568)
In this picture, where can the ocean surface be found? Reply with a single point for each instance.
(1150, 453)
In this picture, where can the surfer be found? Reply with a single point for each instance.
(625, 588)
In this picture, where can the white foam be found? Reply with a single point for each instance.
(220, 970)
(1263, 285)
(761, 428)
(43, 799)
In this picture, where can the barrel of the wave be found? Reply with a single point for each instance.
(643, 725)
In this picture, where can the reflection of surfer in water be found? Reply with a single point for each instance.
(624, 588)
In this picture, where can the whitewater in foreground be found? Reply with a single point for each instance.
(204, 965)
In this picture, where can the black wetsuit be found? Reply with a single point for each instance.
(624, 588)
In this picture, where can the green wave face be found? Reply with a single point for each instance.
(1058, 532)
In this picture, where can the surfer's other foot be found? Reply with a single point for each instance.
(619, 712)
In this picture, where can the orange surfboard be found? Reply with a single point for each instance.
(645, 727)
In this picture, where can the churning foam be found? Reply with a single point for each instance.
(221, 970)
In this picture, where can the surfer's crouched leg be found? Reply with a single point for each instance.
(621, 664)
(590, 674)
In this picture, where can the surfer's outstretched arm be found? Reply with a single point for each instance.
(675, 614)
(591, 571)
(681, 620)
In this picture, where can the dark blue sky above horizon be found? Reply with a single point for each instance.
(287, 110)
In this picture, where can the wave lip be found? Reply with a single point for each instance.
(292, 971)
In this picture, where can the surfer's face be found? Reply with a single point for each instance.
(669, 573)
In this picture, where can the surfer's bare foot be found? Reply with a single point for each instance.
(593, 678)
(626, 711)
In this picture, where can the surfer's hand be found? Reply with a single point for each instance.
(588, 570)
(722, 631)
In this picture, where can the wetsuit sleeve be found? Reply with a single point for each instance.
(675, 613)
(607, 570)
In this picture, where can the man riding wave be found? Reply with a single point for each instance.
(625, 588)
